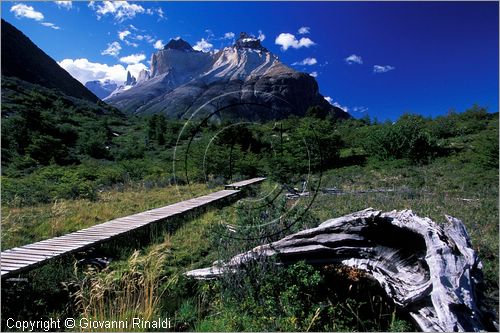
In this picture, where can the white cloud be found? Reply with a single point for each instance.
(261, 36)
(131, 43)
(287, 40)
(360, 109)
(120, 10)
(382, 69)
(229, 35)
(113, 49)
(160, 13)
(354, 59)
(50, 25)
(343, 108)
(210, 33)
(64, 4)
(126, 36)
(133, 59)
(306, 61)
(203, 45)
(158, 44)
(314, 74)
(304, 30)
(21, 10)
(135, 69)
(123, 34)
(84, 70)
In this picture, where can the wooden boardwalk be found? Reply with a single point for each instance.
(243, 183)
(20, 259)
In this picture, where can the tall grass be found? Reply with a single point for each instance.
(24, 225)
(131, 290)
(444, 187)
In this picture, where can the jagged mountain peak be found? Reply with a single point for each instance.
(131, 80)
(180, 80)
(178, 44)
(247, 41)
(144, 75)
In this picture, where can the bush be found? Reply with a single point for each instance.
(453, 124)
(300, 297)
(306, 145)
(486, 146)
(407, 138)
(128, 147)
(472, 120)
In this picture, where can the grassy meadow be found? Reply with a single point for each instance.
(28, 224)
(446, 165)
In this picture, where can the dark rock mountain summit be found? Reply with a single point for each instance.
(179, 44)
(246, 76)
(22, 59)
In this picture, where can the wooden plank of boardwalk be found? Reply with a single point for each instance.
(19, 259)
(243, 183)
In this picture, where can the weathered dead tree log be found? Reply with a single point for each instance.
(428, 270)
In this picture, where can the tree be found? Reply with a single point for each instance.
(317, 112)
(94, 144)
(156, 128)
(46, 149)
(161, 127)
(152, 127)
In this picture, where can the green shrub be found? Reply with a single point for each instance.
(406, 138)
(128, 147)
(265, 297)
(486, 146)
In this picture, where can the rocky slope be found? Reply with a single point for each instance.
(22, 59)
(245, 76)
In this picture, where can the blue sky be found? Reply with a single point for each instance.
(378, 58)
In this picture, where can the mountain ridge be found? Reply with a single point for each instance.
(101, 89)
(182, 80)
(23, 59)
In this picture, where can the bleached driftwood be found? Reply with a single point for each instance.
(430, 271)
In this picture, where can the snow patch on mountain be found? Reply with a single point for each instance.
(101, 88)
